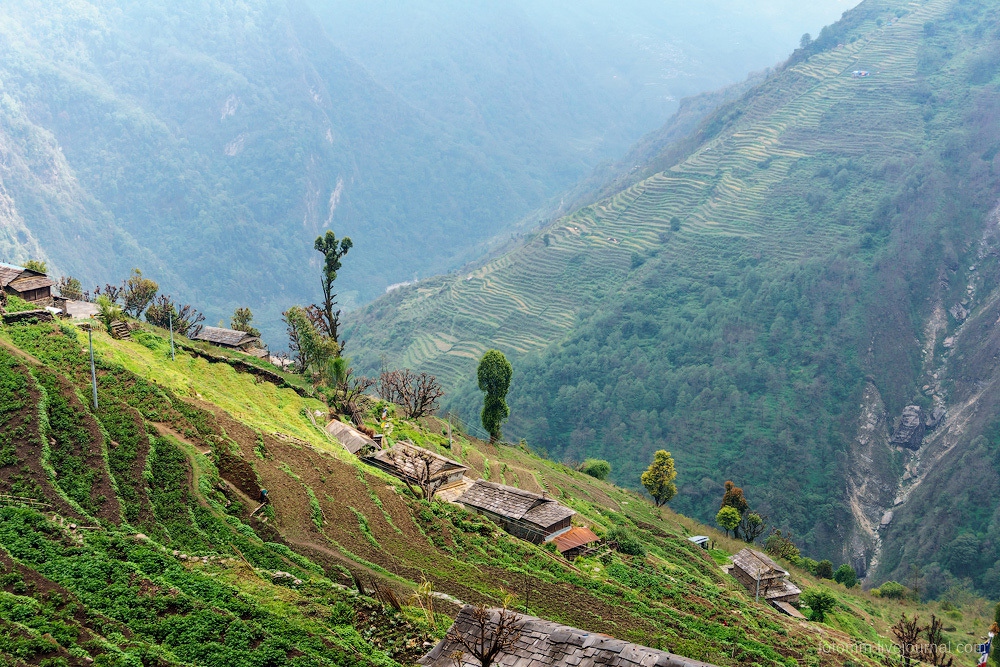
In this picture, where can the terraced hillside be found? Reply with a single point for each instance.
(730, 305)
(138, 542)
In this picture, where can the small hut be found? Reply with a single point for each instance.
(352, 439)
(407, 461)
(543, 643)
(529, 516)
(32, 286)
(577, 541)
(229, 338)
(764, 579)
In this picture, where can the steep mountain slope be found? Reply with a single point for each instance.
(730, 307)
(139, 546)
(209, 143)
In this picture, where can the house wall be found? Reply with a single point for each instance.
(520, 529)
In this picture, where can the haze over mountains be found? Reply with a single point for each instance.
(208, 143)
(766, 295)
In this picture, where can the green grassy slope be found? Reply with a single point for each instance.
(146, 553)
(729, 307)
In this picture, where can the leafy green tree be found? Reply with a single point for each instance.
(596, 468)
(36, 265)
(310, 349)
(138, 294)
(242, 317)
(323, 316)
(70, 288)
(659, 478)
(781, 546)
(824, 569)
(494, 374)
(727, 518)
(846, 575)
(820, 601)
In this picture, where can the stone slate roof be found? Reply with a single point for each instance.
(30, 282)
(9, 272)
(757, 565)
(351, 438)
(514, 503)
(440, 466)
(547, 644)
(227, 337)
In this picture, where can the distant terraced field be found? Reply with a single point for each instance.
(737, 183)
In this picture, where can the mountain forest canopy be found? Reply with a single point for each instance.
(766, 295)
(209, 142)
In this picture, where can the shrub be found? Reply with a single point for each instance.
(808, 564)
(820, 601)
(824, 569)
(627, 541)
(890, 589)
(846, 575)
(596, 468)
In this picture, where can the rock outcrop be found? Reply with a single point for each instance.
(910, 431)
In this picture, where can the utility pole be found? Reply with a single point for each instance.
(170, 316)
(93, 371)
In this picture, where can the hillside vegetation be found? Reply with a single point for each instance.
(209, 142)
(730, 306)
(145, 550)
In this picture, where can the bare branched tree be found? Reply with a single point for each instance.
(418, 395)
(416, 466)
(493, 631)
(917, 643)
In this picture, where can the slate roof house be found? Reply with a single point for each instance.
(352, 439)
(29, 285)
(546, 644)
(230, 338)
(762, 576)
(401, 460)
(529, 516)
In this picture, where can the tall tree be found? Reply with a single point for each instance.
(139, 293)
(494, 375)
(659, 478)
(733, 497)
(727, 518)
(242, 317)
(164, 310)
(323, 316)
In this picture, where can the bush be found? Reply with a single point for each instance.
(820, 601)
(890, 589)
(846, 575)
(824, 569)
(808, 564)
(596, 468)
(626, 540)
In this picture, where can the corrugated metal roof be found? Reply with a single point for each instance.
(577, 536)
(546, 644)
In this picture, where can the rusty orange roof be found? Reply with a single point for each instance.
(576, 536)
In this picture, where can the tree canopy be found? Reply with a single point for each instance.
(659, 478)
(494, 374)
